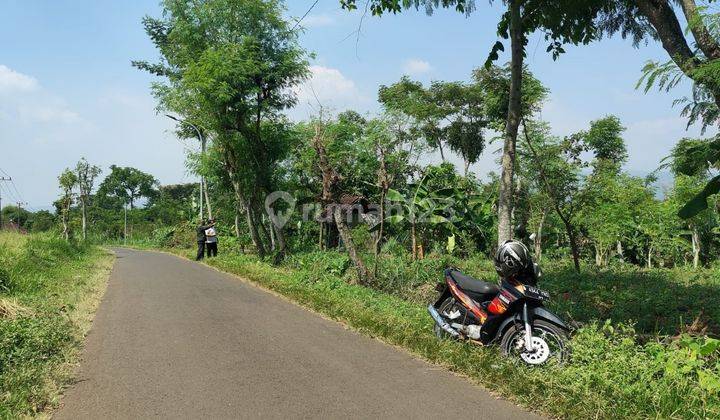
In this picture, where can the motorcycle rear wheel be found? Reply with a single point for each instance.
(549, 341)
(445, 307)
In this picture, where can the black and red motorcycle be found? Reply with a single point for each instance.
(511, 315)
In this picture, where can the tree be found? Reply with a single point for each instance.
(41, 221)
(697, 158)
(446, 112)
(563, 21)
(230, 66)
(332, 201)
(67, 180)
(694, 54)
(696, 58)
(127, 184)
(556, 162)
(612, 210)
(86, 175)
(691, 161)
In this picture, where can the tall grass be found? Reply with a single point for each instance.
(47, 288)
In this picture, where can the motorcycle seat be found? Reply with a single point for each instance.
(472, 284)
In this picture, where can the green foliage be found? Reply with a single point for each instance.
(495, 83)
(125, 185)
(445, 112)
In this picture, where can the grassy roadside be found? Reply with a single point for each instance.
(611, 375)
(49, 290)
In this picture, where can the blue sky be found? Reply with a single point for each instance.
(67, 89)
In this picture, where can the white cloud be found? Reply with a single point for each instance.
(313, 21)
(26, 102)
(47, 114)
(415, 66)
(13, 81)
(331, 88)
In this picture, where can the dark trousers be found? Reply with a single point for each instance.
(201, 251)
(211, 249)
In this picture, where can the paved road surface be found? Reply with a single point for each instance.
(176, 339)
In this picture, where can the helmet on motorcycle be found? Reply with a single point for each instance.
(512, 257)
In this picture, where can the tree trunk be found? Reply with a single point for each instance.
(237, 223)
(280, 240)
(259, 219)
(321, 236)
(364, 275)
(414, 240)
(695, 239)
(442, 152)
(505, 198)
(84, 218)
(330, 178)
(598, 255)
(649, 256)
(661, 15)
(556, 204)
(252, 226)
(378, 240)
(66, 230)
(573, 245)
(538, 236)
(619, 250)
(207, 200)
(273, 245)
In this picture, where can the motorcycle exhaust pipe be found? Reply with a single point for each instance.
(441, 322)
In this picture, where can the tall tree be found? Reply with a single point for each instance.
(563, 21)
(332, 201)
(446, 112)
(231, 64)
(128, 184)
(67, 180)
(86, 175)
(555, 161)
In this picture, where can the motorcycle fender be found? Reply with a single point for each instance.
(542, 313)
(534, 312)
(444, 295)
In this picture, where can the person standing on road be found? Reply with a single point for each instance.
(201, 238)
(211, 240)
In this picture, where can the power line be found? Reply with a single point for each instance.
(303, 16)
(12, 182)
(16, 194)
(2, 179)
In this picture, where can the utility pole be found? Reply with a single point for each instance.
(125, 229)
(2, 179)
(203, 183)
(19, 209)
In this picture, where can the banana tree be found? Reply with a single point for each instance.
(451, 210)
(420, 205)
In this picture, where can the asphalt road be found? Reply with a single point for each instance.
(176, 339)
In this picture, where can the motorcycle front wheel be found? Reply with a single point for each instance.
(549, 343)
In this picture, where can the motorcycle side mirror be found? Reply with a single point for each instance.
(537, 270)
